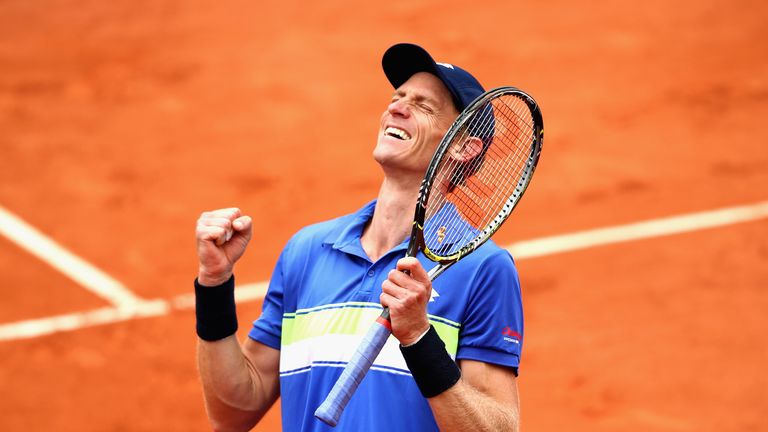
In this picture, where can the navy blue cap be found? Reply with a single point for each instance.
(402, 61)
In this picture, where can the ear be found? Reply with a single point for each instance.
(468, 149)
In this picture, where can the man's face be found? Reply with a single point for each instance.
(420, 113)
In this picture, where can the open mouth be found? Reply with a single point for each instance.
(397, 133)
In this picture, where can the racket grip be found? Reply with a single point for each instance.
(331, 409)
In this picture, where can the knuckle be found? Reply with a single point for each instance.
(219, 212)
(385, 300)
(199, 232)
(204, 228)
(212, 232)
(218, 222)
(386, 286)
(414, 298)
(230, 213)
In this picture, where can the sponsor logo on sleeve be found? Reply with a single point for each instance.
(511, 335)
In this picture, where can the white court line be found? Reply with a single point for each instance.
(638, 231)
(72, 321)
(91, 278)
(77, 320)
(521, 250)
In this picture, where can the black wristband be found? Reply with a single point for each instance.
(432, 368)
(215, 310)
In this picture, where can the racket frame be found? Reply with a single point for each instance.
(417, 235)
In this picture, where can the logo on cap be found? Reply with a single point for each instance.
(445, 65)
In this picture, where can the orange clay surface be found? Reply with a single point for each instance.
(120, 121)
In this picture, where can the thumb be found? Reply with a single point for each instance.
(414, 267)
(243, 226)
(241, 236)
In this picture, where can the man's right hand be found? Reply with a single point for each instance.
(222, 236)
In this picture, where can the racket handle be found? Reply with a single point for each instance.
(330, 410)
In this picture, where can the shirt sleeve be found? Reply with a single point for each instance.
(492, 331)
(268, 328)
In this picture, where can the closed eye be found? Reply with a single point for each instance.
(426, 108)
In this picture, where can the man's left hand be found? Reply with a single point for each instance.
(406, 295)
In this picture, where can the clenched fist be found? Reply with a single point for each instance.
(222, 236)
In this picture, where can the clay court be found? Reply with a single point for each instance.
(642, 243)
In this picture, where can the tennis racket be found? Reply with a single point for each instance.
(478, 174)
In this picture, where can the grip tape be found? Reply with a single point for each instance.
(331, 409)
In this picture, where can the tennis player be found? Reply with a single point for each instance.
(453, 362)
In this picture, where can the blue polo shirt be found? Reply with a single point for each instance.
(324, 296)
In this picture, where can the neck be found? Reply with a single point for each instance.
(392, 217)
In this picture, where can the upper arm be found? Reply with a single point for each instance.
(494, 381)
(264, 362)
(492, 326)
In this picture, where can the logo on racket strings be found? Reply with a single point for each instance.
(441, 234)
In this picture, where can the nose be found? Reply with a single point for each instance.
(399, 108)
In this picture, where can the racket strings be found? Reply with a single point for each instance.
(459, 213)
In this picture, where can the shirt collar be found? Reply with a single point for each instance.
(347, 239)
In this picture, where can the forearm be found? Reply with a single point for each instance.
(236, 395)
(462, 408)
(478, 396)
